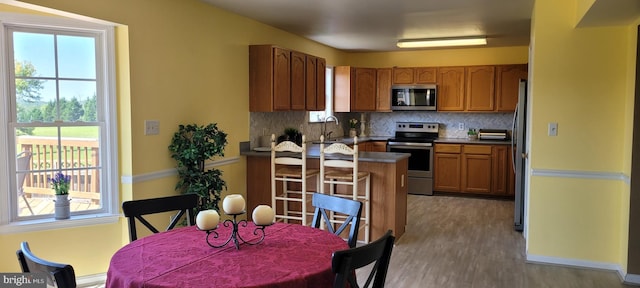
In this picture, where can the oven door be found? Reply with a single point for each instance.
(420, 161)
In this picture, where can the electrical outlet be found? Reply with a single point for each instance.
(460, 126)
(553, 129)
(151, 127)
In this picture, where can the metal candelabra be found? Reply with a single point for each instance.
(235, 236)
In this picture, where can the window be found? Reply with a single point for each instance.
(61, 116)
(319, 116)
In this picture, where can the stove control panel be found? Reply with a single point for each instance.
(417, 127)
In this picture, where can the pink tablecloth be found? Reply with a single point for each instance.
(290, 256)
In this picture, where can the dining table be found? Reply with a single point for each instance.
(291, 255)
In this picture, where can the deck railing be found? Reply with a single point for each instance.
(79, 156)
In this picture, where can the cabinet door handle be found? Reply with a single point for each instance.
(402, 181)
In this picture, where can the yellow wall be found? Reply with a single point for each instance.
(178, 62)
(186, 61)
(444, 57)
(580, 79)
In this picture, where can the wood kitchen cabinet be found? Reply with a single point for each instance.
(476, 169)
(507, 85)
(402, 75)
(451, 84)
(278, 79)
(487, 88)
(378, 146)
(447, 167)
(414, 75)
(355, 89)
(298, 77)
(383, 94)
(315, 83)
(473, 168)
(372, 146)
(480, 90)
(503, 176)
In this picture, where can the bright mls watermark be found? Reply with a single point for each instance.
(23, 280)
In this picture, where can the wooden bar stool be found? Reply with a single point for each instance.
(341, 170)
(289, 165)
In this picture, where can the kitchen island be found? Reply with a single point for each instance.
(388, 185)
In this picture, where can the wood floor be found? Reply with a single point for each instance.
(470, 242)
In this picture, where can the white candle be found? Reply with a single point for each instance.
(263, 215)
(233, 204)
(207, 219)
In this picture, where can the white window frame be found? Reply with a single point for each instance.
(319, 116)
(106, 115)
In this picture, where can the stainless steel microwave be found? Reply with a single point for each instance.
(413, 97)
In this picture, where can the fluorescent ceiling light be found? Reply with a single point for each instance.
(441, 42)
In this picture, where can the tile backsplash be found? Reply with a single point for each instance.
(377, 123)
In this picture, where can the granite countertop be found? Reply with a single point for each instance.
(313, 151)
(467, 141)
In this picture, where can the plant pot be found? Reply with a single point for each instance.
(62, 209)
(352, 132)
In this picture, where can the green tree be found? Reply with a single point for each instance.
(27, 90)
(89, 107)
(49, 112)
(70, 110)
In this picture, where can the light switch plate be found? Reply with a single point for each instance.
(151, 127)
(553, 129)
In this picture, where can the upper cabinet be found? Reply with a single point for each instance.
(355, 89)
(488, 88)
(480, 88)
(414, 75)
(451, 83)
(279, 80)
(383, 101)
(507, 80)
(315, 83)
(298, 89)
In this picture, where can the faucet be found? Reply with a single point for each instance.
(323, 132)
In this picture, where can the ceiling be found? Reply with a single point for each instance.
(376, 25)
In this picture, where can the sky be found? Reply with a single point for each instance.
(76, 58)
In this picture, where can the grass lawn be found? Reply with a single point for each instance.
(78, 132)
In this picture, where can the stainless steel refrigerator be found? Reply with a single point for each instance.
(519, 146)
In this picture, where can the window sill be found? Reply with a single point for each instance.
(51, 224)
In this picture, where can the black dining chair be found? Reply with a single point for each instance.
(351, 210)
(345, 262)
(58, 275)
(136, 209)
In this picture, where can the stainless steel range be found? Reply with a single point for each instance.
(416, 138)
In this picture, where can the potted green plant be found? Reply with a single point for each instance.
(60, 184)
(291, 134)
(190, 147)
(472, 134)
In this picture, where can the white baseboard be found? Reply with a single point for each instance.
(572, 262)
(624, 277)
(631, 279)
(91, 280)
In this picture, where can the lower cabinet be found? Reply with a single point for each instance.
(372, 146)
(473, 168)
(476, 169)
(377, 146)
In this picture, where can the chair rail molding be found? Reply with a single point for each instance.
(131, 179)
(582, 174)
